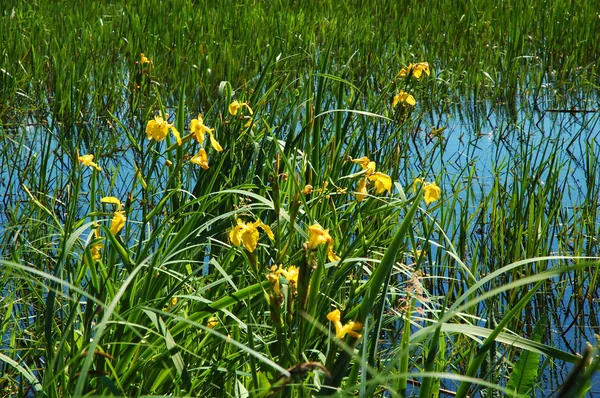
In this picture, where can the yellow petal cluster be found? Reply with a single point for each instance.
(246, 234)
(96, 247)
(366, 164)
(118, 220)
(144, 59)
(415, 70)
(236, 105)
(351, 328)
(290, 274)
(273, 278)
(201, 159)
(308, 189)
(382, 181)
(432, 193)
(199, 129)
(361, 192)
(88, 160)
(432, 190)
(158, 128)
(318, 236)
(212, 322)
(403, 98)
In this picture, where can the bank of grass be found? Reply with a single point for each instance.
(446, 292)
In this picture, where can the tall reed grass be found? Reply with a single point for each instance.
(288, 264)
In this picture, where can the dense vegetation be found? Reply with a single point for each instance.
(296, 198)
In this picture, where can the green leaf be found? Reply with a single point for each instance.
(525, 371)
(172, 347)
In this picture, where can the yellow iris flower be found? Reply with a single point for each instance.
(366, 164)
(158, 128)
(308, 189)
(198, 130)
(273, 279)
(212, 322)
(415, 70)
(96, 247)
(236, 105)
(362, 189)
(246, 234)
(291, 274)
(351, 328)
(404, 98)
(201, 159)
(318, 236)
(88, 160)
(118, 220)
(432, 190)
(383, 182)
(144, 59)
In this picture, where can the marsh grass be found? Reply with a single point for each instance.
(448, 293)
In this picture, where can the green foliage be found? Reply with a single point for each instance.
(285, 264)
(522, 378)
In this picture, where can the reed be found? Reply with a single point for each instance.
(275, 209)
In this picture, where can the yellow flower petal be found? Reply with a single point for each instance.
(318, 236)
(201, 159)
(266, 228)
(112, 200)
(212, 322)
(234, 235)
(274, 282)
(96, 247)
(88, 160)
(366, 164)
(362, 189)
(350, 328)
(308, 189)
(331, 255)
(234, 107)
(176, 134)
(405, 98)
(415, 182)
(150, 128)
(118, 222)
(432, 192)
(291, 274)
(144, 59)
(198, 129)
(415, 70)
(334, 316)
(214, 142)
(249, 237)
(383, 182)
(157, 129)
(246, 234)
